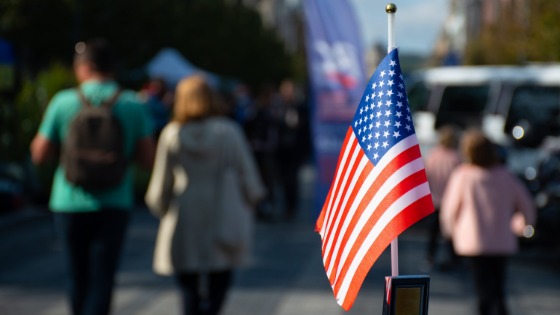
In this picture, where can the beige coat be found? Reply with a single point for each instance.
(182, 192)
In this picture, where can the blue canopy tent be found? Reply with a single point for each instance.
(171, 66)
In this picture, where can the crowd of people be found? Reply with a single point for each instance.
(277, 127)
(189, 138)
(275, 121)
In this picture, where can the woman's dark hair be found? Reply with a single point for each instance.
(98, 53)
(478, 149)
(448, 137)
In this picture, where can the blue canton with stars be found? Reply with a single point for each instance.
(383, 116)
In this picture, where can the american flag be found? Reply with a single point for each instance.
(379, 187)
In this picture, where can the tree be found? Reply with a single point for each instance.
(544, 42)
(217, 35)
(39, 30)
(230, 39)
(526, 33)
(500, 43)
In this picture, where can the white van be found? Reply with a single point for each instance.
(518, 107)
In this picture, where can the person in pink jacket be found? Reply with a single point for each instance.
(484, 209)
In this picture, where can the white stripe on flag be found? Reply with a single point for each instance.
(394, 180)
(338, 179)
(395, 151)
(362, 164)
(401, 204)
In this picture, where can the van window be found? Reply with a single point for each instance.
(418, 97)
(462, 106)
(536, 109)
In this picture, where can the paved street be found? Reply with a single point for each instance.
(287, 277)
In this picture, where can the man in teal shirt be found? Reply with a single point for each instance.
(92, 224)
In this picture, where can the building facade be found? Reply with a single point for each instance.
(468, 19)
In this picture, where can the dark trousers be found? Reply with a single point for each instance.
(267, 169)
(204, 294)
(289, 167)
(434, 236)
(489, 276)
(92, 243)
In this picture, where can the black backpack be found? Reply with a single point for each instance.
(93, 153)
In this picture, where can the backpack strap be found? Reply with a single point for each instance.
(108, 103)
(111, 101)
(83, 99)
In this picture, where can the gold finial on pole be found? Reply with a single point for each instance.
(391, 8)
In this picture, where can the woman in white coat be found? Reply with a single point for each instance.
(184, 191)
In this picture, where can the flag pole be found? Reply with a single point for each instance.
(391, 9)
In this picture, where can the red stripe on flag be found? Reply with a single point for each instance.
(321, 218)
(400, 223)
(339, 199)
(407, 184)
(392, 167)
(352, 196)
(350, 146)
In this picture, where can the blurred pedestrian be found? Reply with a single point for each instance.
(440, 162)
(183, 193)
(91, 221)
(294, 144)
(261, 128)
(159, 102)
(484, 208)
(242, 103)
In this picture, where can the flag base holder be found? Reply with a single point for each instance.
(406, 295)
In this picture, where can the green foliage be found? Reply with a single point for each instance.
(514, 40)
(40, 30)
(231, 40)
(136, 29)
(544, 42)
(7, 135)
(220, 36)
(22, 117)
(500, 43)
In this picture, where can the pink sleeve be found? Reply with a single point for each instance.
(525, 211)
(451, 203)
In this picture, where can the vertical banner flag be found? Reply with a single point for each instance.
(379, 187)
(337, 77)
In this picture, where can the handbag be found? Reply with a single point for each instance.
(234, 219)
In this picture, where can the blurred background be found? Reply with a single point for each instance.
(490, 64)
(248, 47)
